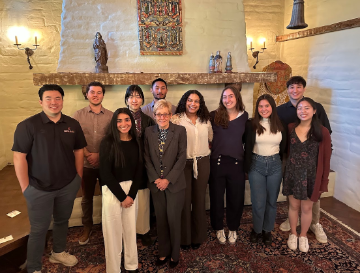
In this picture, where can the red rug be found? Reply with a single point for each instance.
(340, 254)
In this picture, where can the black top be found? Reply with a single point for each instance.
(250, 138)
(146, 121)
(287, 114)
(229, 141)
(112, 176)
(50, 149)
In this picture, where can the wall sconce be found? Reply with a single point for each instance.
(28, 51)
(255, 54)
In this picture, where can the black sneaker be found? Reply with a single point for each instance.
(255, 237)
(267, 238)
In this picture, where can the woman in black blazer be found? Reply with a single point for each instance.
(165, 159)
(134, 99)
(265, 143)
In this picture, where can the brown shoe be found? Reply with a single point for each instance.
(85, 237)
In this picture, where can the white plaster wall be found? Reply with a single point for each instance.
(330, 64)
(19, 95)
(19, 98)
(208, 26)
(264, 19)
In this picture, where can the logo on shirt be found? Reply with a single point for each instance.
(69, 130)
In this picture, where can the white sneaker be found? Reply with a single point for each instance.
(232, 237)
(319, 233)
(63, 258)
(303, 244)
(285, 226)
(292, 241)
(220, 234)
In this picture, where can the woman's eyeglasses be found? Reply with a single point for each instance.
(162, 115)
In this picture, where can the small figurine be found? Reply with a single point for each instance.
(218, 62)
(101, 55)
(228, 68)
(211, 64)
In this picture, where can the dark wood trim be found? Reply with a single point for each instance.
(147, 78)
(319, 30)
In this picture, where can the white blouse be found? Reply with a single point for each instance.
(267, 144)
(198, 137)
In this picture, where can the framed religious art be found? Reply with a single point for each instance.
(160, 27)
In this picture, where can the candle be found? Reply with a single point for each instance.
(16, 40)
(35, 40)
(251, 45)
(264, 44)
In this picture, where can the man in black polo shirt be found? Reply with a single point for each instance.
(48, 160)
(287, 113)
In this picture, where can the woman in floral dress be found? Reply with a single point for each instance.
(307, 169)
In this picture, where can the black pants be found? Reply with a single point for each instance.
(90, 178)
(226, 173)
(193, 219)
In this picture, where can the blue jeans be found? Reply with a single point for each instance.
(265, 178)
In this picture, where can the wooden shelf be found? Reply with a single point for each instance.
(84, 79)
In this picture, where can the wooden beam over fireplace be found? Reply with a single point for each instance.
(319, 30)
(147, 78)
(84, 79)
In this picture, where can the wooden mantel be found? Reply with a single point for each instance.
(146, 78)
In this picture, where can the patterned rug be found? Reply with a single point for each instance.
(340, 254)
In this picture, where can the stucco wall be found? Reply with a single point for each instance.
(330, 64)
(208, 26)
(19, 96)
(264, 19)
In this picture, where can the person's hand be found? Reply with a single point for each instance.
(23, 188)
(127, 203)
(93, 159)
(161, 184)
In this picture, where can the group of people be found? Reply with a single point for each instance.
(172, 153)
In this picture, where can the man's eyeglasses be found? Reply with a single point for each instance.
(162, 115)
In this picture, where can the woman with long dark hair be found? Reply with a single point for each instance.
(134, 99)
(307, 169)
(121, 174)
(227, 164)
(265, 143)
(193, 114)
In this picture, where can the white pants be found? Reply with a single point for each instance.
(143, 217)
(119, 224)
